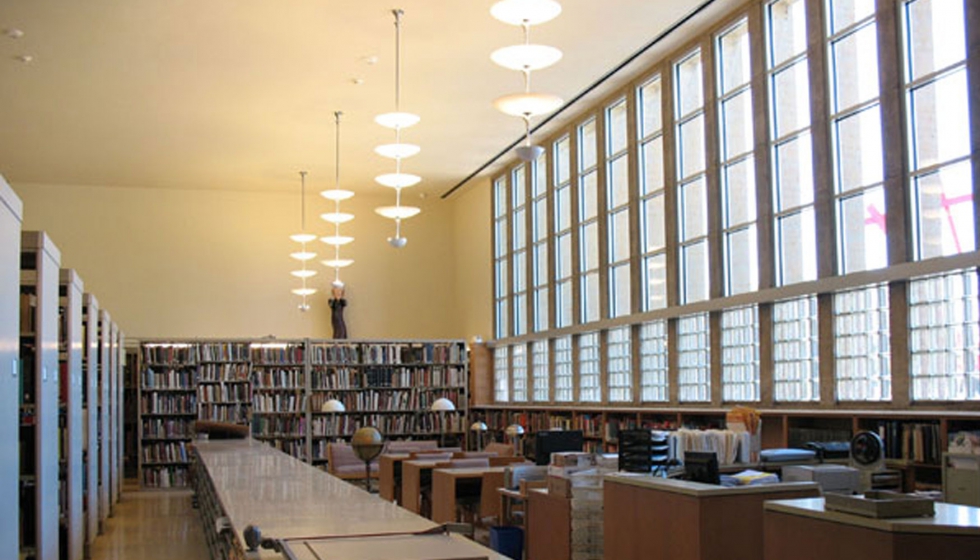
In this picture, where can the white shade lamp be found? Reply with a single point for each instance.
(442, 406)
(479, 428)
(333, 406)
(514, 432)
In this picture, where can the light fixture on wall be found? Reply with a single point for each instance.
(337, 194)
(398, 151)
(525, 58)
(303, 256)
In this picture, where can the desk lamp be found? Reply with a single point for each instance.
(442, 405)
(479, 428)
(514, 432)
(367, 443)
(333, 406)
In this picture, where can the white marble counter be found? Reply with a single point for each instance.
(949, 518)
(702, 490)
(286, 498)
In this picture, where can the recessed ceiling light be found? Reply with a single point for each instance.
(370, 60)
(25, 58)
(13, 33)
(357, 81)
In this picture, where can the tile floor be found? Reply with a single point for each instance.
(152, 526)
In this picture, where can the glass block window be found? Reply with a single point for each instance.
(518, 189)
(737, 160)
(691, 184)
(588, 222)
(563, 232)
(564, 376)
(944, 337)
(653, 362)
(787, 70)
(589, 376)
(501, 374)
(795, 347)
(501, 246)
(620, 362)
(539, 238)
(936, 94)
(858, 156)
(618, 206)
(694, 358)
(653, 248)
(518, 368)
(861, 345)
(740, 354)
(539, 370)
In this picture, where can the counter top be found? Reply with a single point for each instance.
(949, 518)
(702, 490)
(286, 498)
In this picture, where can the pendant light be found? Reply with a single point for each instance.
(525, 58)
(336, 194)
(397, 151)
(303, 237)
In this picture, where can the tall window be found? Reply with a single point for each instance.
(539, 237)
(693, 203)
(787, 68)
(694, 358)
(943, 337)
(564, 377)
(519, 242)
(563, 233)
(795, 348)
(518, 368)
(589, 376)
(856, 135)
(620, 364)
(618, 205)
(588, 216)
(861, 347)
(938, 128)
(501, 374)
(539, 371)
(500, 268)
(653, 362)
(653, 230)
(737, 160)
(740, 354)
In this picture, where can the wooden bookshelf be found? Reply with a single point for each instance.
(168, 408)
(279, 396)
(224, 390)
(10, 375)
(39, 435)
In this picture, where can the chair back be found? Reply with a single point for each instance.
(501, 449)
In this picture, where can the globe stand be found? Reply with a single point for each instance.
(367, 444)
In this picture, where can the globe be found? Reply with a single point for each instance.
(367, 443)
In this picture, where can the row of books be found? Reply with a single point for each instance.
(296, 448)
(421, 353)
(280, 378)
(917, 442)
(224, 352)
(223, 372)
(169, 379)
(166, 427)
(165, 477)
(170, 354)
(239, 392)
(163, 403)
(173, 452)
(278, 426)
(279, 402)
(278, 354)
(428, 423)
(335, 354)
(223, 412)
(388, 400)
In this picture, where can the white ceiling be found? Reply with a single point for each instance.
(240, 94)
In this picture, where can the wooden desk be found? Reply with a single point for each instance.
(547, 526)
(648, 518)
(805, 530)
(412, 483)
(444, 484)
(389, 474)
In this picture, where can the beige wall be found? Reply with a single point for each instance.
(189, 263)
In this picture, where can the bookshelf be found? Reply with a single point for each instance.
(70, 412)
(39, 437)
(102, 411)
(279, 396)
(10, 226)
(118, 353)
(388, 385)
(90, 384)
(224, 390)
(168, 407)
(130, 408)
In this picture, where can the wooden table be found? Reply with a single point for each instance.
(412, 472)
(390, 476)
(547, 526)
(444, 485)
(650, 518)
(805, 530)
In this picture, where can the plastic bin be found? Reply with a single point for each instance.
(508, 541)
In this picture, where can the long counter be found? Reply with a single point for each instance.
(249, 483)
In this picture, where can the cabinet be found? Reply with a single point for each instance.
(961, 479)
(10, 374)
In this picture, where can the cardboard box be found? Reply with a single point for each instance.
(572, 459)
